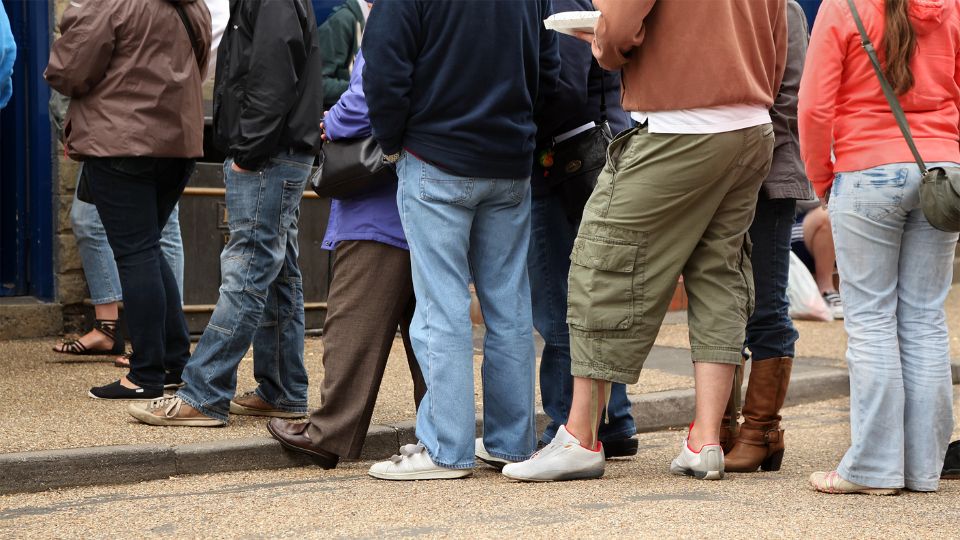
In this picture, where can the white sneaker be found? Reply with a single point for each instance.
(707, 464)
(562, 459)
(414, 463)
(488, 458)
(835, 304)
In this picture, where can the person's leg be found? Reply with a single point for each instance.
(260, 208)
(499, 242)
(169, 189)
(369, 295)
(103, 281)
(171, 243)
(868, 239)
(548, 264)
(437, 210)
(126, 195)
(278, 344)
(818, 238)
(926, 271)
(719, 283)
(770, 339)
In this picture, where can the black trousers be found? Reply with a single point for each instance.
(134, 197)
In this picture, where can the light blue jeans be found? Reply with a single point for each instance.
(99, 268)
(458, 227)
(895, 272)
(261, 294)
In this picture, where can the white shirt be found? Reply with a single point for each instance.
(705, 120)
(364, 9)
(219, 17)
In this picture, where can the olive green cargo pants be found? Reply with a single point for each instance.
(666, 205)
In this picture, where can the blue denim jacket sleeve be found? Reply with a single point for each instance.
(8, 55)
(350, 117)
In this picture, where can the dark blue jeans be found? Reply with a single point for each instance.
(770, 332)
(548, 263)
(134, 197)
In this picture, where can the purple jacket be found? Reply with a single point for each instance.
(369, 217)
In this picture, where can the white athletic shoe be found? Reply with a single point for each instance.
(414, 463)
(488, 458)
(707, 464)
(835, 304)
(562, 459)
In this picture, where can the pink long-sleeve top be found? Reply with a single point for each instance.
(842, 107)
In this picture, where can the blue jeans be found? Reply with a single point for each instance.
(458, 227)
(261, 294)
(99, 268)
(895, 271)
(548, 263)
(770, 331)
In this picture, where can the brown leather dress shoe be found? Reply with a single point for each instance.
(296, 437)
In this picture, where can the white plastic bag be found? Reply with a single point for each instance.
(806, 303)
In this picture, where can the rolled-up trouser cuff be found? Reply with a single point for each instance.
(593, 370)
(708, 355)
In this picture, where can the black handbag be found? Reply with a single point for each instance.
(351, 167)
(574, 164)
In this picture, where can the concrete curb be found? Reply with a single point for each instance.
(51, 469)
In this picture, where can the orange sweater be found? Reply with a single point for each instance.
(688, 54)
(841, 101)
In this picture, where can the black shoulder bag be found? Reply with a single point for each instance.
(940, 187)
(83, 183)
(578, 161)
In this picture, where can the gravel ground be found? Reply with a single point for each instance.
(46, 393)
(637, 497)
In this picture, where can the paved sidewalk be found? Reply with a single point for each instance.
(45, 411)
(637, 498)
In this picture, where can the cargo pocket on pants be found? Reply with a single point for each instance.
(603, 272)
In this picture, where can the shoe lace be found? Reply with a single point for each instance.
(170, 405)
(407, 451)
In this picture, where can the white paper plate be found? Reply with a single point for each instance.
(569, 22)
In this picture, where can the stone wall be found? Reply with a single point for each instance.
(70, 285)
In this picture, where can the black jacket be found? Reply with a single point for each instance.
(455, 82)
(269, 88)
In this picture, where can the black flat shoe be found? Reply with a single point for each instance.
(951, 464)
(116, 391)
(621, 447)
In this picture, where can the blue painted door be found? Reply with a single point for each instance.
(26, 157)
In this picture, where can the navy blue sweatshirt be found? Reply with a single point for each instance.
(455, 82)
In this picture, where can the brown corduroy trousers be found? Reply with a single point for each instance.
(370, 296)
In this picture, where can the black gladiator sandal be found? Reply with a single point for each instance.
(108, 328)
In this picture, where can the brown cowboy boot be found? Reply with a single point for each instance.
(760, 444)
(730, 426)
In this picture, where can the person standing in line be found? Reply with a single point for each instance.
(340, 37)
(758, 443)
(895, 268)
(678, 196)
(99, 269)
(267, 113)
(370, 295)
(113, 59)
(8, 56)
(575, 107)
(459, 120)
